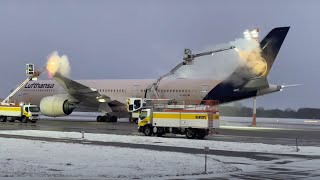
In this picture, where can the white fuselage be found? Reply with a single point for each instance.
(121, 89)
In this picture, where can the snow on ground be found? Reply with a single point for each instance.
(26, 158)
(176, 142)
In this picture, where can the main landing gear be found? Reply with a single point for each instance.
(107, 118)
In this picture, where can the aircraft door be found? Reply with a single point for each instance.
(204, 90)
(135, 90)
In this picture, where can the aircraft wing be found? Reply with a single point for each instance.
(84, 95)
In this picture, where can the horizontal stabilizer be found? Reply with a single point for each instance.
(256, 84)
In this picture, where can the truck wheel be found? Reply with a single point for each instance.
(148, 131)
(24, 119)
(99, 118)
(160, 132)
(190, 134)
(32, 121)
(201, 134)
(11, 120)
(3, 118)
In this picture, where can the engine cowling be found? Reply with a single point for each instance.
(55, 106)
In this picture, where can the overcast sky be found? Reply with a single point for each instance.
(143, 39)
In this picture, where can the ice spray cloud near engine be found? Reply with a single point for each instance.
(56, 63)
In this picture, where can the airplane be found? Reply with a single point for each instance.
(61, 96)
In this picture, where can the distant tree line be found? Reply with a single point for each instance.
(243, 111)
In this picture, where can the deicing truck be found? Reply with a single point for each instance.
(194, 119)
(23, 113)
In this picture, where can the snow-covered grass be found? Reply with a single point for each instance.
(176, 142)
(26, 158)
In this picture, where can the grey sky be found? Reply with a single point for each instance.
(144, 39)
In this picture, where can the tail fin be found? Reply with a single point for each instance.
(271, 45)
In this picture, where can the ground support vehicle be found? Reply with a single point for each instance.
(23, 113)
(194, 119)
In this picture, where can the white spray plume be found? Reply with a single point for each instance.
(55, 64)
(221, 65)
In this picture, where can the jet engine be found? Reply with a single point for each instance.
(55, 106)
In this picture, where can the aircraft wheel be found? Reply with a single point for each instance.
(113, 119)
(99, 118)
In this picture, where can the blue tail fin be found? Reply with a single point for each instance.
(271, 45)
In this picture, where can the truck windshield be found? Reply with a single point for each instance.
(34, 109)
(143, 114)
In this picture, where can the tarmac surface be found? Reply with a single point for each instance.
(305, 137)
